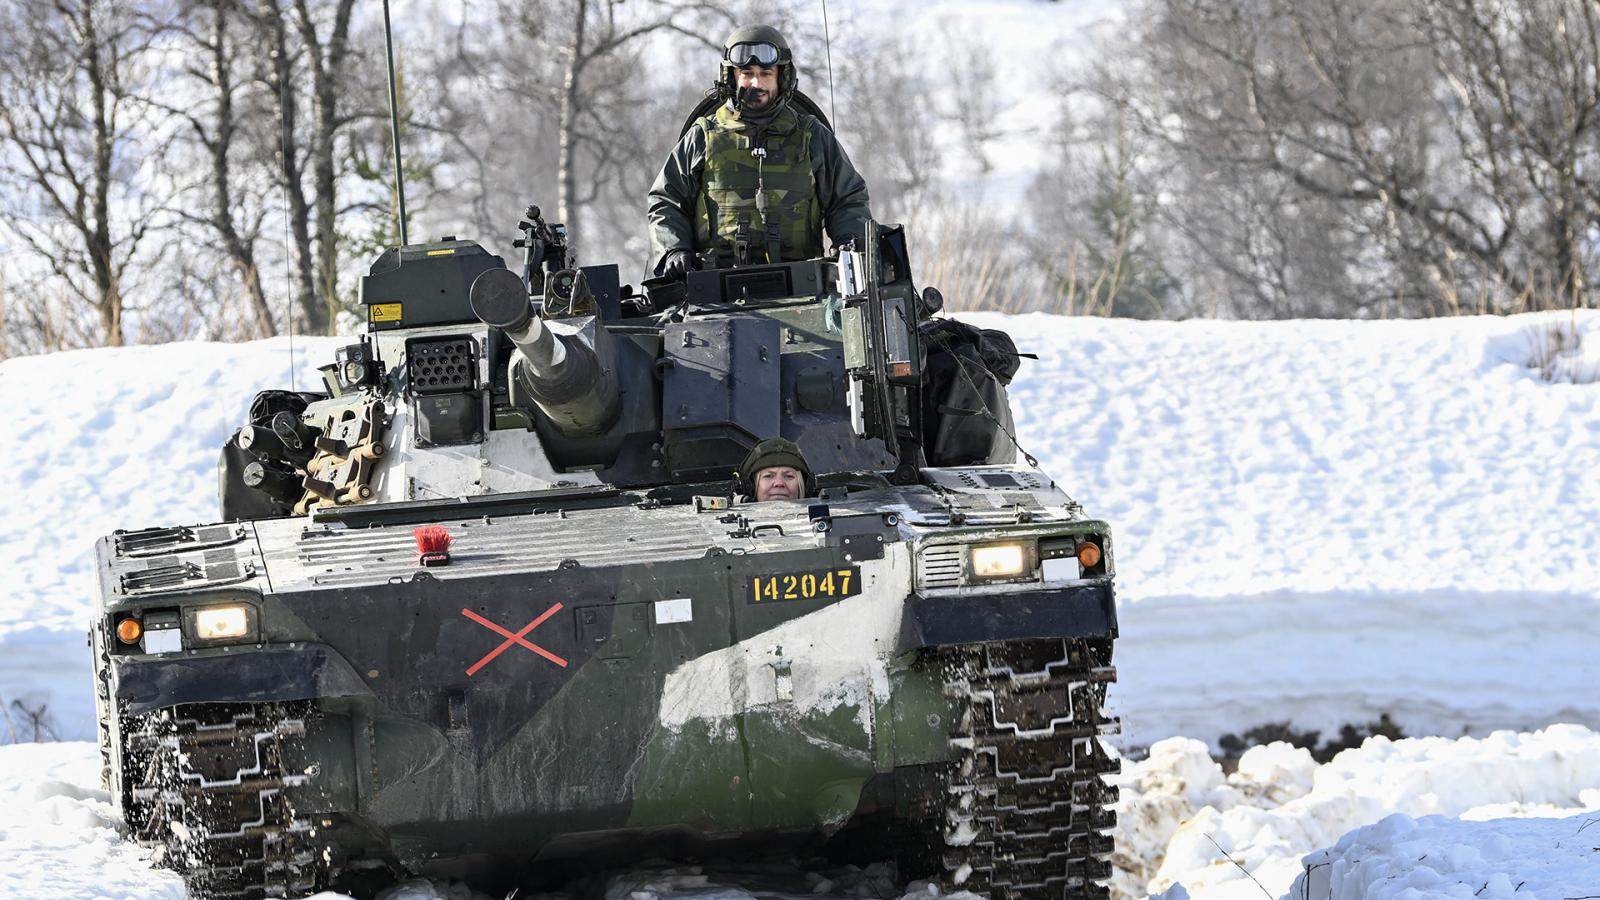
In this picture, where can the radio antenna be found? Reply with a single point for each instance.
(827, 42)
(394, 123)
(288, 274)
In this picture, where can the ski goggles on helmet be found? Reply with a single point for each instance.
(763, 54)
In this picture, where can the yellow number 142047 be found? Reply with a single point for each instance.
(831, 584)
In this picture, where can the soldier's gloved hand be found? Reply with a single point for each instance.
(678, 264)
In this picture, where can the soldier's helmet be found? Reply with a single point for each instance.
(773, 452)
(760, 45)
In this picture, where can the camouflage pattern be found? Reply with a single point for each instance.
(840, 199)
(741, 194)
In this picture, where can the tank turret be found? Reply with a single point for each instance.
(565, 373)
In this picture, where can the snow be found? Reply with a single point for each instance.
(1439, 857)
(100, 440)
(1321, 521)
(58, 831)
(1183, 822)
(1391, 819)
(1315, 523)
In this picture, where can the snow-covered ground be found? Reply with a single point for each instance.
(1316, 523)
(1281, 818)
(1508, 815)
(1322, 521)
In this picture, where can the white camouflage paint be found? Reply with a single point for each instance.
(836, 656)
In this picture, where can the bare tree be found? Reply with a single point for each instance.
(277, 75)
(591, 121)
(1524, 102)
(8, 327)
(1364, 157)
(327, 53)
(891, 136)
(211, 28)
(971, 98)
(5, 714)
(71, 128)
(1094, 208)
(1304, 110)
(37, 720)
(589, 36)
(294, 37)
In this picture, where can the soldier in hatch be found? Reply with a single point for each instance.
(759, 180)
(775, 470)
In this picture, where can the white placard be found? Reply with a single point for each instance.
(163, 640)
(679, 609)
(1063, 569)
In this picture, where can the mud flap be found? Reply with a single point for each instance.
(1080, 611)
(309, 671)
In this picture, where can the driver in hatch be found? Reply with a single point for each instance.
(775, 470)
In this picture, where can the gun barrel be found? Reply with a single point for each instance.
(567, 378)
(544, 351)
(564, 375)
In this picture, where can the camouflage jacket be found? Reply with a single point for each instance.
(677, 197)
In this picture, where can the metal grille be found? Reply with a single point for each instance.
(160, 575)
(158, 541)
(516, 543)
(179, 574)
(939, 566)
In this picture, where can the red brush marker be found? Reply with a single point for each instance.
(433, 543)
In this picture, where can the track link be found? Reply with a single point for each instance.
(208, 785)
(1027, 814)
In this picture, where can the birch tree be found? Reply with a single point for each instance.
(73, 134)
(213, 34)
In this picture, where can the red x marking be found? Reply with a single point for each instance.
(514, 638)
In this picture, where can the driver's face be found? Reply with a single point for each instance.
(761, 84)
(778, 483)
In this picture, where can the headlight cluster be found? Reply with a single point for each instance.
(1053, 559)
(158, 631)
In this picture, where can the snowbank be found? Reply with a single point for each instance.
(1321, 521)
(1181, 821)
(1402, 857)
(99, 440)
(58, 830)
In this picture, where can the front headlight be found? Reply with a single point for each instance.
(988, 561)
(220, 623)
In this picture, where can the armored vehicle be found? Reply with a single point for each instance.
(489, 604)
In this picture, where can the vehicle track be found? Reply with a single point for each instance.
(1028, 814)
(208, 786)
